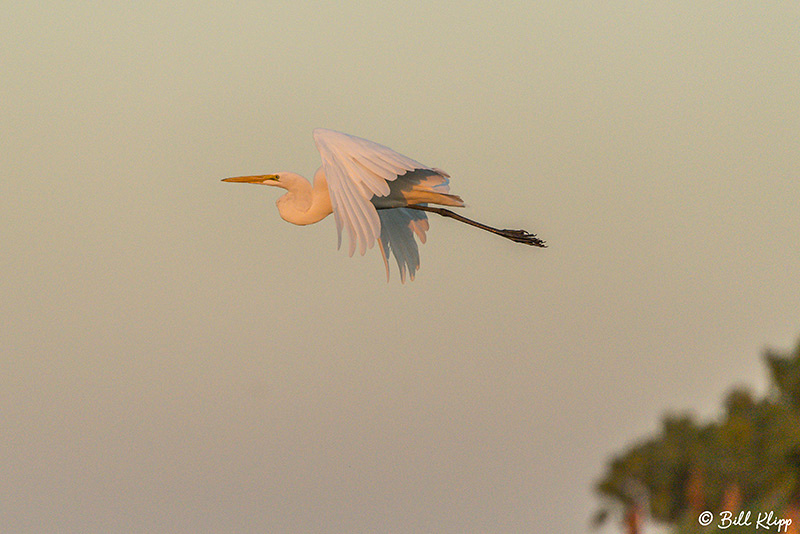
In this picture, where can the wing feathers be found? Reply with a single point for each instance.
(358, 170)
(359, 173)
(373, 172)
(357, 217)
(398, 227)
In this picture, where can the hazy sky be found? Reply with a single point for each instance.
(176, 358)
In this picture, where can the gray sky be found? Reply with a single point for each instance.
(176, 358)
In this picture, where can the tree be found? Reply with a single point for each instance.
(750, 457)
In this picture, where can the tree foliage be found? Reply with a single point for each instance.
(751, 455)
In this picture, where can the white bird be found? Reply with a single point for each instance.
(375, 193)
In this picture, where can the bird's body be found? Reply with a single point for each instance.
(374, 192)
(307, 203)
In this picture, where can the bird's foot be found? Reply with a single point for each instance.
(521, 236)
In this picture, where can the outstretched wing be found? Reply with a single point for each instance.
(398, 227)
(356, 170)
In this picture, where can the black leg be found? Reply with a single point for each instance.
(518, 236)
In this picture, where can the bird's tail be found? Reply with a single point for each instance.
(433, 187)
(421, 186)
(443, 199)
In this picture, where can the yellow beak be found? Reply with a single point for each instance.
(252, 179)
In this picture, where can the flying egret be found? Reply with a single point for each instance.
(374, 192)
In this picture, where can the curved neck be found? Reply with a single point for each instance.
(304, 204)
